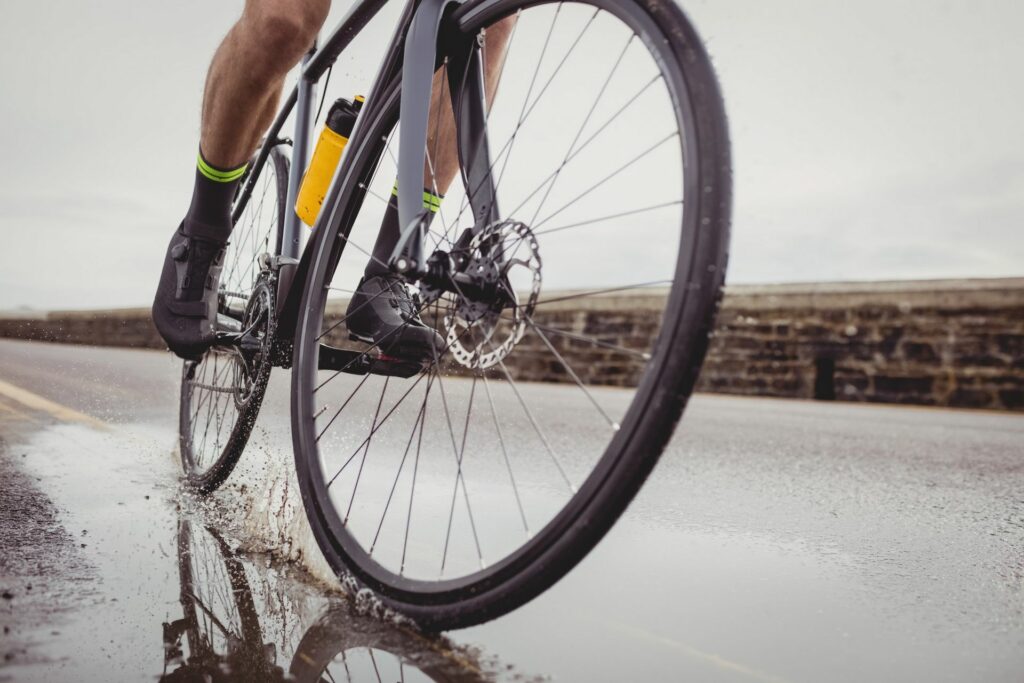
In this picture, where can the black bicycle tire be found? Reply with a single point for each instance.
(661, 397)
(218, 472)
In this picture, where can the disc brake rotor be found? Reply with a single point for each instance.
(481, 334)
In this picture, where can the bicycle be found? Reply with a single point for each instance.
(567, 186)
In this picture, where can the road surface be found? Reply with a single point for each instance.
(776, 541)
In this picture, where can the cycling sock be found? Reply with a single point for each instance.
(209, 215)
(389, 233)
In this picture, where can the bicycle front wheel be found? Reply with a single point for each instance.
(463, 491)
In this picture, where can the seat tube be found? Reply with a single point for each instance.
(291, 246)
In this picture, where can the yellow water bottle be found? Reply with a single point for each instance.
(333, 138)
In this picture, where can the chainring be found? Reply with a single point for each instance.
(256, 350)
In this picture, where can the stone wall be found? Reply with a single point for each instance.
(949, 343)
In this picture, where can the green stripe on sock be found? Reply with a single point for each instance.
(431, 201)
(216, 175)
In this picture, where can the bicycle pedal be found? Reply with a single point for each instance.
(228, 323)
(389, 366)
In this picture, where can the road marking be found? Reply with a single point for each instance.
(689, 650)
(21, 415)
(37, 402)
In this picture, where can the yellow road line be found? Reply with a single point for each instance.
(11, 410)
(37, 402)
(689, 650)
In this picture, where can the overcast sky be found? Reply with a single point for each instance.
(876, 139)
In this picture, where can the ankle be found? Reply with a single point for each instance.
(209, 214)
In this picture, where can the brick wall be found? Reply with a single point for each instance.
(949, 343)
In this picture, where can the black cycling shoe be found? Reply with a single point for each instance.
(185, 306)
(382, 312)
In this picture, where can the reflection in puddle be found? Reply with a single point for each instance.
(239, 623)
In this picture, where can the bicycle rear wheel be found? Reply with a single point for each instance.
(221, 394)
(463, 491)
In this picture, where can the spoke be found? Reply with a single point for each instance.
(366, 451)
(346, 402)
(504, 453)
(209, 614)
(565, 58)
(504, 58)
(641, 285)
(590, 340)
(205, 397)
(547, 342)
(458, 478)
(349, 315)
(364, 251)
(451, 432)
(523, 114)
(401, 465)
(376, 195)
(609, 217)
(529, 91)
(373, 660)
(368, 349)
(611, 175)
(579, 132)
(507, 146)
(383, 421)
(210, 406)
(536, 427)
(344, 662)
(374, 429)
(255, 218)
(490, 110)
(196, 407)
(415, 471)
(629, 103)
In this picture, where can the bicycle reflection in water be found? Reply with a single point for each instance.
(220, 637)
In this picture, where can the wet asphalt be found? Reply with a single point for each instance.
(776, 541)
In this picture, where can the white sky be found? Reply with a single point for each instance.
(872, 140)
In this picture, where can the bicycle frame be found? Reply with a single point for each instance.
(412, 54)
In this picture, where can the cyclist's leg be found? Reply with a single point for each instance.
(248, 71)
(439, 172)
(242, 90)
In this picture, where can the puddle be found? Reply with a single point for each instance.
(176, 596)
